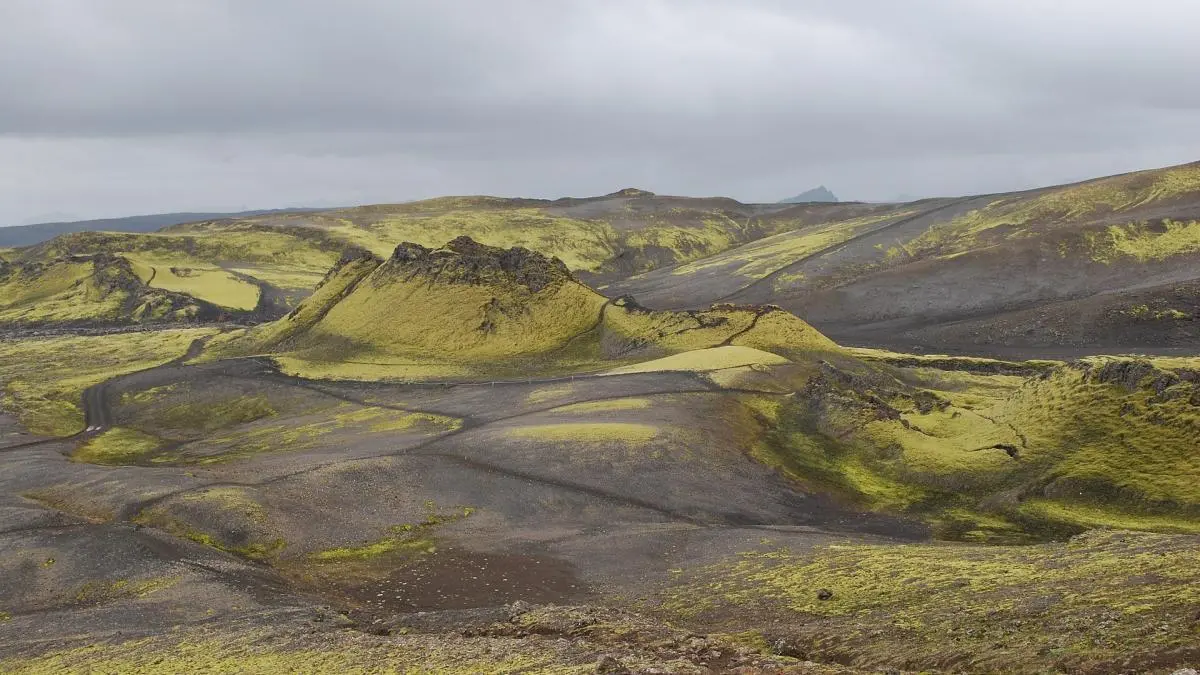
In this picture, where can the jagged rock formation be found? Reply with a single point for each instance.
(464, 260)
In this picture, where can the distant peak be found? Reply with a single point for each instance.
(631, 192)
(817, 194)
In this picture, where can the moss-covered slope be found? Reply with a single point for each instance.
(1107, 263)
(89, 290)
(468, 308)
(988, 454)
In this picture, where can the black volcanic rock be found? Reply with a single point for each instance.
(466, 261)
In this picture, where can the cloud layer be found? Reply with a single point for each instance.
(136, 106)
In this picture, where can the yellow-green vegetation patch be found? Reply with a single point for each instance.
(99, 592)
(406, 540)
(1103, 442)
(969, 608)
(550, 393)
(1144, 242)
(198, 279)
(44, 378)
(206, 415)
(1089, 515)
(769, 254)
(415, 371)
(605, 406)
(587, 432)
(234, 500)
(119, 445)
(294, 436)
(251, 652)
(1076, 203)
(700, 360)
(253, 548)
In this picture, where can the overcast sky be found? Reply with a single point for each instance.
(120, 107)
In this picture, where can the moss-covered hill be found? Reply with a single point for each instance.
(89, 290)
(599, 238)
(468, 309)
(268, 263)
(1106, 263)
(998, 451)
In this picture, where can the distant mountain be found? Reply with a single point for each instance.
(817, 194)
(27, 235)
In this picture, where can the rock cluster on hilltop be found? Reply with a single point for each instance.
(466, 261)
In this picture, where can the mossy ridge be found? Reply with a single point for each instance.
(117, 446)
(89, 290)
(614, 405)
(965, 607)
(501, 314)
(1013, 216)
(1109, 442)
(44, 378)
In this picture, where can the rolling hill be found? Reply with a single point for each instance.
(28, 235)
(462, 458)
(1099, 265)
(1110, 263)
(472, 308)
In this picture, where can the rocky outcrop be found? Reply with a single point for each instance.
(466, 261)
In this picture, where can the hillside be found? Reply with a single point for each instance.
(28, 235)
(1109, 263)
(598, 238)
(463, 458)
(472, 308)
(90, 290)
(268, 262)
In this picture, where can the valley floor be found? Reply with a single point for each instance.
(220, 515)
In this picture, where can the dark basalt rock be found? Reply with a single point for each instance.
(466, 261)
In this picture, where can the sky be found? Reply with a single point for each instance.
(127, 107)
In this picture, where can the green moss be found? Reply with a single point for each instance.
(44, 378)
(765, 256)
(118, 445)
(978, 608)
(210, 416)
(1105, 443)
(198, 279)
(1014, 216)
(259, 550)
(605, 406)
(99, 592)
(403, 540)
(587, 432)
(252, 653)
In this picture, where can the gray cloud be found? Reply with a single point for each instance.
(133, 106)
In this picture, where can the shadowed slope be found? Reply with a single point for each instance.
(1108, 262)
